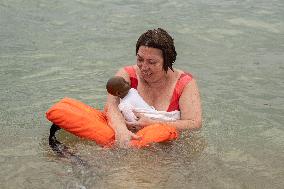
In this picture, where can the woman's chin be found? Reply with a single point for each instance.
(147, 77)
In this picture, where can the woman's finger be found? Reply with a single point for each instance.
(137, 114)
(131, 123)
(136, 137)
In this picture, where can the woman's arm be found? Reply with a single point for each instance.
(115, 118)
(190, 108)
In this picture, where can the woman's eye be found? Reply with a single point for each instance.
(152, 62)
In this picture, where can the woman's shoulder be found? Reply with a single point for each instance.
(126, 72)
(185, 80)
(183, 76)
(129, 73)
(183, 72)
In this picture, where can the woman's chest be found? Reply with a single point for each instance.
(158, 98)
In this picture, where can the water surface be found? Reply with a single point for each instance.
(52, 49)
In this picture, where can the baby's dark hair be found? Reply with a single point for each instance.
(160, 39)
(115, 84)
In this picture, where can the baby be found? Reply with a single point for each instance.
(131, 101)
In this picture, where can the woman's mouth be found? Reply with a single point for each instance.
(146, 74)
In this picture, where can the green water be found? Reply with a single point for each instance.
(235, 49)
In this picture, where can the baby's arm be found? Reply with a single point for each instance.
(127, 112)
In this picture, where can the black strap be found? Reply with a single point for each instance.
(61, 150)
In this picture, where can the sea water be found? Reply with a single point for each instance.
(234, 49)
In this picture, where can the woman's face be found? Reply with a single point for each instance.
(150, 62)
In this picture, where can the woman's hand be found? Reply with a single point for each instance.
(141, 122)
(123, 138)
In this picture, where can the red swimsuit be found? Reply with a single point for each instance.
(183, 80)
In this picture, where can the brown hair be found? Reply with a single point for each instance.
(160, 39)
(117, 86)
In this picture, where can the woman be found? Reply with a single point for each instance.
(160, 85)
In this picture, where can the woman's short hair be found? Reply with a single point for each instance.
(160, 39)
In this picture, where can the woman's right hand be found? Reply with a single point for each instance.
(123, 138)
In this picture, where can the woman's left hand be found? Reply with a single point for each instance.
(141, 122)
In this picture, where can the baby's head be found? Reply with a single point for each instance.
(117, 86)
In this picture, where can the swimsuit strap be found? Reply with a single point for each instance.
(132, 75)
(183, 80)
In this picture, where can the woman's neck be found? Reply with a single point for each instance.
(162, 82)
